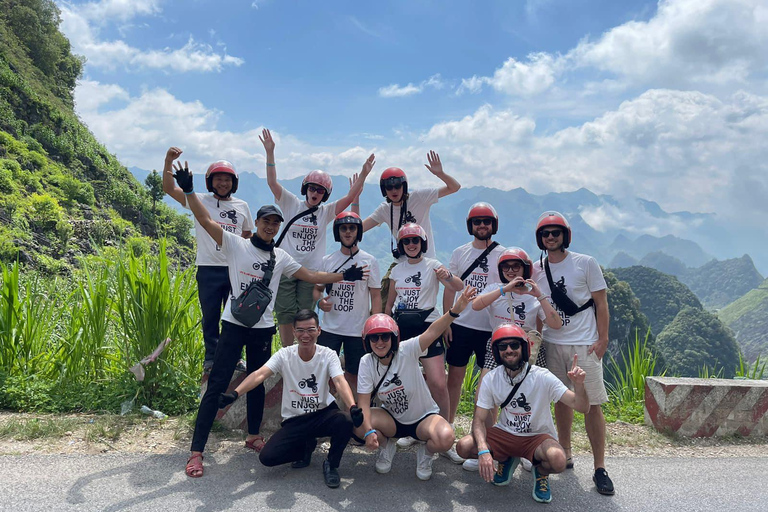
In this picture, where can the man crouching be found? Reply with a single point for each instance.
(309, 410)
(524, 428)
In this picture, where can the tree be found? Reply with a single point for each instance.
(154, 184)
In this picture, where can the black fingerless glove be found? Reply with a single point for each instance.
(357, 415)
(227, 398)
(184, 179)
(353, 273)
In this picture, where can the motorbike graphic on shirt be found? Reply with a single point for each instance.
(306, 403)
(518, 414)
(309, 382)
(229, 214)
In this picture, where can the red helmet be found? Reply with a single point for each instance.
(393, 176)
(483, 210)
(409, 230)
(515, 254)
(553, 219)
(379, 324)
(347, 218)
(321, 178)
(221, 167)
(506, 332)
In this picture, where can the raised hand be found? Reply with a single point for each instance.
(325, 304)
(466, 296)
(355, 273)
(434, 166)
(172, 154)
(576, 375)
(184, 178)
(267, 140)
(368, 165)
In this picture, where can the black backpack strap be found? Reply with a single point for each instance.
(290, 223)
(477, 261)
(515, 388)
(403, 211)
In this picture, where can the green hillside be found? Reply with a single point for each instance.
(718, 283)
(63, 194)
(747, 318)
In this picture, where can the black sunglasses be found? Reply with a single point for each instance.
(393, 186)
(380, 337)
(555, 233)
(514, 345)
(511, 267)
(411, 241)
(316, 189)
(485, 221)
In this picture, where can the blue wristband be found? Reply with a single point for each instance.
(189, 193)
(501, 289)
(270, 165)
(483, 452)
(369, 433)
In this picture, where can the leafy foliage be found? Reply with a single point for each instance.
(748, 318)
(718, 283)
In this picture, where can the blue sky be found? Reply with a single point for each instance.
(666, 101)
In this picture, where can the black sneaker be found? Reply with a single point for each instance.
(241, 366)
(603, 482)
(304, 462)
(207, 365)
(331, 475)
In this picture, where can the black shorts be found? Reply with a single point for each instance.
(435, 349)
(403, 430)
(353, 348)
(465, 341)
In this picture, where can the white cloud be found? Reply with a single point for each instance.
(516, 78)
(397, 91)
(82, 25)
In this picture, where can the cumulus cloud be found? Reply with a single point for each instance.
(82, 25)
(397, 91)
(519, 78)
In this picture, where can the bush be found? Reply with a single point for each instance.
(45, 212)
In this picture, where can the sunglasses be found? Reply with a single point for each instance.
(393, 186)
(511, 267)
(514, 345)
(309, 330)
(555, 233)
(316, 189)
(411, 241)
(483, 222)
(347, 228)
(380, 337)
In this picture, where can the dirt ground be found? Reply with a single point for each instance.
(94, 434)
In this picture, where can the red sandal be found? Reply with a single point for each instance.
(195, 466)
(256, 444)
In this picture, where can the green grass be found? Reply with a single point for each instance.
(744, 304)
(35, 428)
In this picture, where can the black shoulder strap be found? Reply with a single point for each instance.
(270, 267)
(290, 223)
(515, 388)
(330, 285)
(584, 306)
(376, 389)
(477, 261)
(403, 211)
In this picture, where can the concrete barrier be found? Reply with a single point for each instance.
(707, 407)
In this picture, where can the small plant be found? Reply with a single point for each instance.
(754, 371)
(628, 378)
(705, 372)
(468, 387)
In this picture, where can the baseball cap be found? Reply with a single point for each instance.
(269, 209)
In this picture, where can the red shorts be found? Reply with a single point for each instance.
(504, 445)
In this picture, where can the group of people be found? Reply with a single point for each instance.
(538, 330)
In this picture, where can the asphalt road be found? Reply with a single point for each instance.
(157, 482)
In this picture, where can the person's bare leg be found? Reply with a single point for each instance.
(434, 369)
(286, 334)
(564, 420)
(594, 421)
(455, 380)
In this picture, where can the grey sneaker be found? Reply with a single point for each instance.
(471, 465)
(384, 460)
(526, 464)
(453, 456)
(405, 442)
(423, 463)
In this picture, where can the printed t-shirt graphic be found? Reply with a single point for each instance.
(233, 216)
(419, 203)
(350, 300)
(305, 240)
(305, 383)
(484, 274)
(517, 308)
(416, 285)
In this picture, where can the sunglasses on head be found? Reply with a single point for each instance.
(514, 345)
(554, 232)
(385, 336)
(484, 221)
(316, 189)
(511, 267)
(414, 240)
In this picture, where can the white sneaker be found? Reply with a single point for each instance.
(471, 465)
(453, 456)
(526, 465)
(423, 463)
(384, 460)
(405, 442)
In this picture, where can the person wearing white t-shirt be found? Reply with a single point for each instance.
(308, 408)
(412, 302)
(580, 297)
(304, 238)
(403, 206)
(524, 429)
(247, 261)
(345, 305)
(390, 372)
(232, 214)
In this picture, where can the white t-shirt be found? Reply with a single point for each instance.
(233, 216)
(419, 203)
(487, 272)
(416, 285)
(580, 275)
(404, 392)
(305, 383)
(513, 307)
(351, 300)
(247, 263)
(528, 413)
(305, 240)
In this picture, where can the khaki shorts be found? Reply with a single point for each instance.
(560, 361)
(385, 286)
(292, 295)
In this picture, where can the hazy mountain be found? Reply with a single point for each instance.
(718, 283)
(748, 319)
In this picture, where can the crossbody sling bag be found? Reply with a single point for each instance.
(515, 388)
(330, 285)
(561, 299)
(290, 223)
(477, 261)
(249, 306)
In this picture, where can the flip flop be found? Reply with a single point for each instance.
(194, 467)
(256, 444)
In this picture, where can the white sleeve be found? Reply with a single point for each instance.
(248, 222)
(381, 214)
(334, 364)
(453, 266)
(365, 374)
(485, 397)
(290, 265)
(595, 279)
(374, 279)
(275, 363)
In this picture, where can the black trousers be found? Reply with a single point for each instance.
(290, 442)
(213, 291)
(258, 345)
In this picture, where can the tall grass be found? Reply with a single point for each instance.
(754, 371)
(627, 383)
(468, 387)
